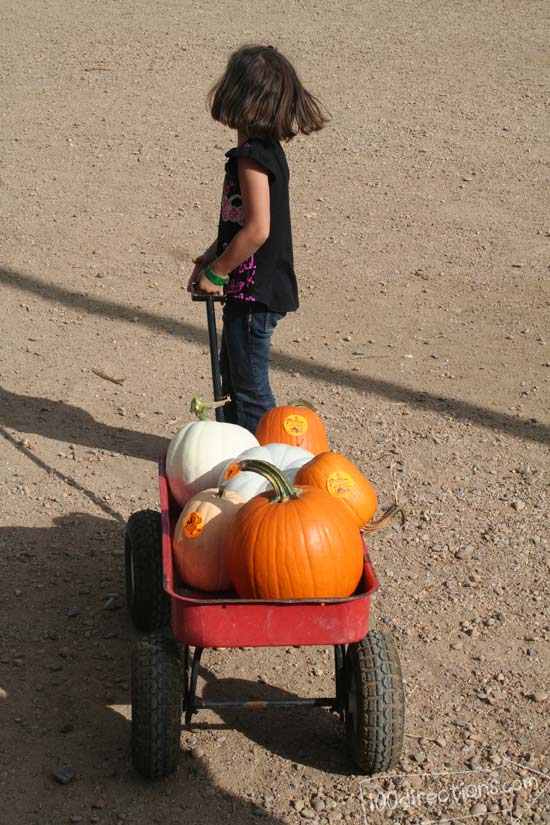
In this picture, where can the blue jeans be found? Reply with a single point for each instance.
(244, 361)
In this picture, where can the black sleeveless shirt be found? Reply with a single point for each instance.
(268, 275)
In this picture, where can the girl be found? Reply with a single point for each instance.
(251, 260)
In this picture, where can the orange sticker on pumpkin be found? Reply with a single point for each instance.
(193, 525)
(232, 471)
(295, 424)
(340, 484)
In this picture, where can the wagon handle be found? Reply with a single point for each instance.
(213, 343)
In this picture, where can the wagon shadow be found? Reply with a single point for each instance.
(64, 674)
(312, 737)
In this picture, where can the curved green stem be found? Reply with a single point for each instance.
(199, 408)
(384, 520)
(300, 402)
(284, 489)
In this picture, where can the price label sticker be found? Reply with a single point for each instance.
(340, 484)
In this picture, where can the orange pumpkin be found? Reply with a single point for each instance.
(344, 481)
(294, 424)
(295, 543)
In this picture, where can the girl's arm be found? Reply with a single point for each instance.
(200, 262)
(255, 232)
(209, 254)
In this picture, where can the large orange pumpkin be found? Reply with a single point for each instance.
(295, 543)
(343, 481)
(294, 424)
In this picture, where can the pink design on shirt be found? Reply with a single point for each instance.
(237, 285)
(232, 212)
(232, 209)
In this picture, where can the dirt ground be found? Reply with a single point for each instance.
(422, 245)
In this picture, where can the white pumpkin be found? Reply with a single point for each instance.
(287, 458)
(199, 451)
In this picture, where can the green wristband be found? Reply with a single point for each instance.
(213, 278)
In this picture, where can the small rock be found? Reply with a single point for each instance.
(539, 696)
(197, 753)
(518, 505)
(72, 612)
(464, 553)
(419, 757)
(257, 810)
(441, 742)
(3, 694)
(64, 775)
(98, 804)
(17, 592)
(478, 809)
(308, 813)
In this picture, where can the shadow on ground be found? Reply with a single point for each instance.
(65, 645)
(65, 422)
(308, 736)
(459, 409)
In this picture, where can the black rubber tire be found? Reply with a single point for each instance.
(148, 603)
(156, 706)
(375, 703)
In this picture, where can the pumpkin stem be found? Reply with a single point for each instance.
(284, 489)
(300, 402)
(385, 519)
(199, 408)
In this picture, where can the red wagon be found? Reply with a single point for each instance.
(368, 693)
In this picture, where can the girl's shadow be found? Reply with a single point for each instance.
(64, 422)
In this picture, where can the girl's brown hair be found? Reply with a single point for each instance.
(261, 94)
